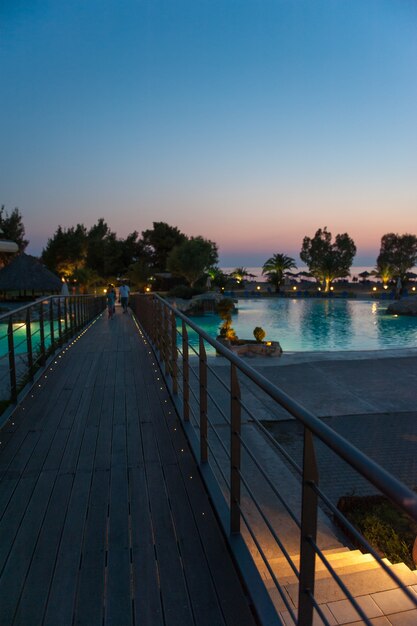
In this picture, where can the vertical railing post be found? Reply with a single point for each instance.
(308, 531)
(29, 343)
(158, 324)
(51, 323)
(66, 318)
(78, 305)
(153, 319)
(42, 359)
(174, 354)
(59, 322)
(12, 362)
(185, 374)
(235, 450)
(166, 336)
(70, 317)
(203, 401)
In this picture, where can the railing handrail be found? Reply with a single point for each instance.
(45, 318)
(45, 299)
(399, 493)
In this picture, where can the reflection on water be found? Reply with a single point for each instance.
(320, 324)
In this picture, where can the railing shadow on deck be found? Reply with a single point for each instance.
(255, 499)
(31, 334)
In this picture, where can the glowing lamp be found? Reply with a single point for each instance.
(104, 290)
(413, 288)
(269, 343)
(258, 287)
(373, 288)
(147, 289)
(294, 288)
(331, 288)
(319, 289)
(385, 286)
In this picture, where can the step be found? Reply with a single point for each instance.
(366, 564)
(281, 566)
(359, 583)
(283, 570)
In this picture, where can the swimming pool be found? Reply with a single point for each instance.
(310, 324)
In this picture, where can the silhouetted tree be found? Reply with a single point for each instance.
(397, 255)
(326, 260)
(275, 267)
(158, 242)
(66, 250)
(192, 258)
(12, 229)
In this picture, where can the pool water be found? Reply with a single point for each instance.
(309, 324)
(19, 337)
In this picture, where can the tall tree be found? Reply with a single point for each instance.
(192, 258)
(11, 229)
(159, 241)
(66, 250)
(397, 255)
(108, 255)
(275, 267)
(326, 260)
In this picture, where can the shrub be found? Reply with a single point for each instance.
(388, 529)
(259, 334)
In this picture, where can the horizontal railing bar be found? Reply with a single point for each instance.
(212, 458)
(361, 539)
(44, 301)
(270, 528)
(214, 431)
(377, 475)
(318, 608)
(217, 377)
(272, 439)
(339, 581)
(270, 483)
(219, 408)
(284, 597)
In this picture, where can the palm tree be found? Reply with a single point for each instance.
(240, 273)
(385, 272)
(275, 267)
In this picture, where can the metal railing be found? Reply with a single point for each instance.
(254, 491)
(31, 333)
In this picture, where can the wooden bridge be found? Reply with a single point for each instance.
(103, 515)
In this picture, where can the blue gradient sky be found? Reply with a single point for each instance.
(250, 122)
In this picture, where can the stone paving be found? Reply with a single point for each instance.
(368, 398)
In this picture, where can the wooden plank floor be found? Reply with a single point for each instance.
(103, 516)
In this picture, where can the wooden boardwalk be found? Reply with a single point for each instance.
(103, 515)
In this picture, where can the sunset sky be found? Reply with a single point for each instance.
(250, 122)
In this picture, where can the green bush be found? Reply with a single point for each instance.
(385, 527)
(259, 334)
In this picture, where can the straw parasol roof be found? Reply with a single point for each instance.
(26, 273)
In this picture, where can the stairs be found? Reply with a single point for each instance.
(378, 595)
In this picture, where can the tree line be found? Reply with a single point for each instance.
(94, 256)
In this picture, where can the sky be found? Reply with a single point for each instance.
(250, 122)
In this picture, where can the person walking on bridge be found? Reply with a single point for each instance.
(111, 301)
(124, 291)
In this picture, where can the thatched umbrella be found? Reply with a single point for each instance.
(364, 275)
(26, 273)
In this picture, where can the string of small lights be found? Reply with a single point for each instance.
(12, 422)
(157, 376)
